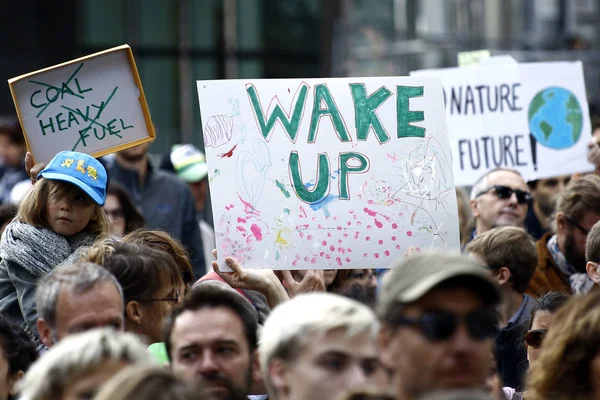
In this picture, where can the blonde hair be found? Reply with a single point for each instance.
(34, 208)
(140, 382)
(292, 322)
(77, 355)
(563, 369)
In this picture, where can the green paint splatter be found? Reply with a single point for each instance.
(217, 172)
(277, 256)
(287, 211)
(283, 189)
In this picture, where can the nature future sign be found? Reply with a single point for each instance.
(328, 173)
(530, 117)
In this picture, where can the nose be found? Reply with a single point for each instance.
(356, 376)
(372, 283)
(512, 200)
(65, 204)
(207, 365)
(461, 341)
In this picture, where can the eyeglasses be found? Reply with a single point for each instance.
(535, 337)
(115, 214)
(438, 326)
(504, 192)
(175, 299)
(576, 224)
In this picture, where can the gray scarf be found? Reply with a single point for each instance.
(40, 250)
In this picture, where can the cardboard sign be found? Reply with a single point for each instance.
(328, 173)
(531, 117)
(93, 105)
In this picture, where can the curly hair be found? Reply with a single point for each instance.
(563, 370)
(18, 349)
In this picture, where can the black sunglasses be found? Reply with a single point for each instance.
(440, 325)
(504, 192)
(535, 337)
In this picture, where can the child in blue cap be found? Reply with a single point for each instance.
(60, 217)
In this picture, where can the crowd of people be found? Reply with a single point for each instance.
(110, 289)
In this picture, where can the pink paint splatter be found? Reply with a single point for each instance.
(356, 235)
(365, 255)
(387, 253)
(359, 223)
(418, 249)
(345, 235)
(313, 260)
(332, 248)
(324, 243)
(393, 238)
(369, 227)
(306, 259)
(380, 241)
(409, 233)
(348, 259)
(314, 219)
(338, 261)
(303, 213)
(248, 208)
(241, 220)
(241, 229)
(351, 211)
(335, 218)
(294, 263)
(379, 224)
(256, 232)
(322, 254)
(349, 223)
(369, 212)
(397, 247)
(301, 234)
(394, 226)
(340, 241)
(328, 234)
(371, 202)
(349, 250)
(368, 238)
(309, 237)
(229, 207)
(376, 255)
(339, 228)
(328, 256)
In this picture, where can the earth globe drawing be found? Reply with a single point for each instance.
(555, 118)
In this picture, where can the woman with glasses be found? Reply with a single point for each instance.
(569, 364)
(151, 283)
(121, 212)
(542, 316)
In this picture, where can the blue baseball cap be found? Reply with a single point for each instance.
(80, 169)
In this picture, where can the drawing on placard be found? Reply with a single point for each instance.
(252, 168)
(218, 131)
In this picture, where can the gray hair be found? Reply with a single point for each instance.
(77, 278)
(76, 355)
(481, 184)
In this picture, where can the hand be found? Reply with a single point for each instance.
(593, 155)
(313, 281)
(411, 251)
(32, 170)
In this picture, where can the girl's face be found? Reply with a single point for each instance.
(115, 215)
(69, 211)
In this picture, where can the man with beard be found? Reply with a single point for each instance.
(165, 201)
(499, 198)
(544, 192)
(438, 316)
(357, 284)
(212, 335)
(561, 255)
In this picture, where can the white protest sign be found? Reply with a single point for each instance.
(530, 117)
(328, 173)
(93, 105)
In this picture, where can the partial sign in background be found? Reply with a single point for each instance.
(530, 117)
(328, 173)
(93, 105)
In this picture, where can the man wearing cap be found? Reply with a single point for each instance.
(438, 318)
(189, 164)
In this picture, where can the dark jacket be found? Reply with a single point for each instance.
(533, 225)
(9, 179)
(166, 203)
(511, 354)
(547, 276)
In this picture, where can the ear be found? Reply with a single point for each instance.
(256, 373)
(12, 382)
(278, 376)
(384, 341)
(561, 223)
(45, 332)
(503, 275)
(592, 271)
(134, 312)
(474, 208)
